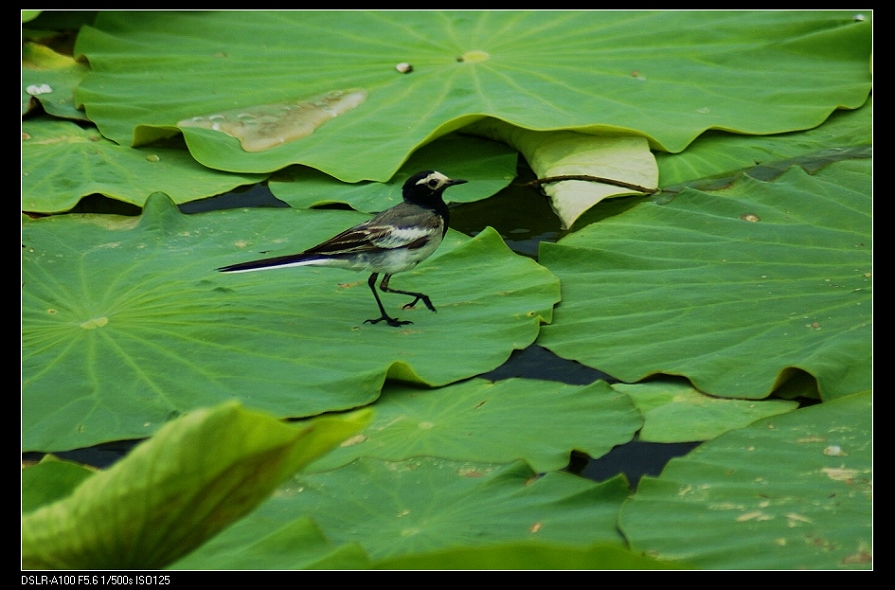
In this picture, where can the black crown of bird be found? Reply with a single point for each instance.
(394, 241)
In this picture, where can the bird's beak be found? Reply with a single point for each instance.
(453, 181)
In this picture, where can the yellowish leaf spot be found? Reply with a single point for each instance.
(266, 126)
(354, 440)
(474, 56)
(754, 515)
(95, 323)
(794, 519)
(840, 474)
(835, 451)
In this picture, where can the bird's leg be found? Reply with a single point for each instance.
(384, 286)
(389, 320)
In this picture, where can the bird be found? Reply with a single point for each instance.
(393, 241)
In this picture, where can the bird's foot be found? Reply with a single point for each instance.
(425, 300)
(390, 321)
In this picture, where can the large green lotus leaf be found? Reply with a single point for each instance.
(50, 480)
(528, 556)
(62, 162)
(428, 504)
(668, 76)
(49, 78)
(674, 411)
(488, 165)
(501, 422)
(622, 158)
(739, 290)
(717, 153)
(125, 321)
(297, 544)
(788, 492)
(171, 494)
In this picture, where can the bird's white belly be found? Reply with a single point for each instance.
(395, 263)
(389, 261)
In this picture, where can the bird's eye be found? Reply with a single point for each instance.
(433, 183)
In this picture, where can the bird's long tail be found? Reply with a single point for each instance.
(276, 262)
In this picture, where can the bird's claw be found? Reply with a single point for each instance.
(390, 321)
(425, 299)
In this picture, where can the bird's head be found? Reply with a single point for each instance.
(426, 184)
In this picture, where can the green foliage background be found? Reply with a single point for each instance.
(731, 291)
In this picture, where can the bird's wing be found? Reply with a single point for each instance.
(402, 226)
(370, 238)
(383, 233)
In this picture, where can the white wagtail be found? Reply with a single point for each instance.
(393, 241)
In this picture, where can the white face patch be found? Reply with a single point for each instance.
(434, 181)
